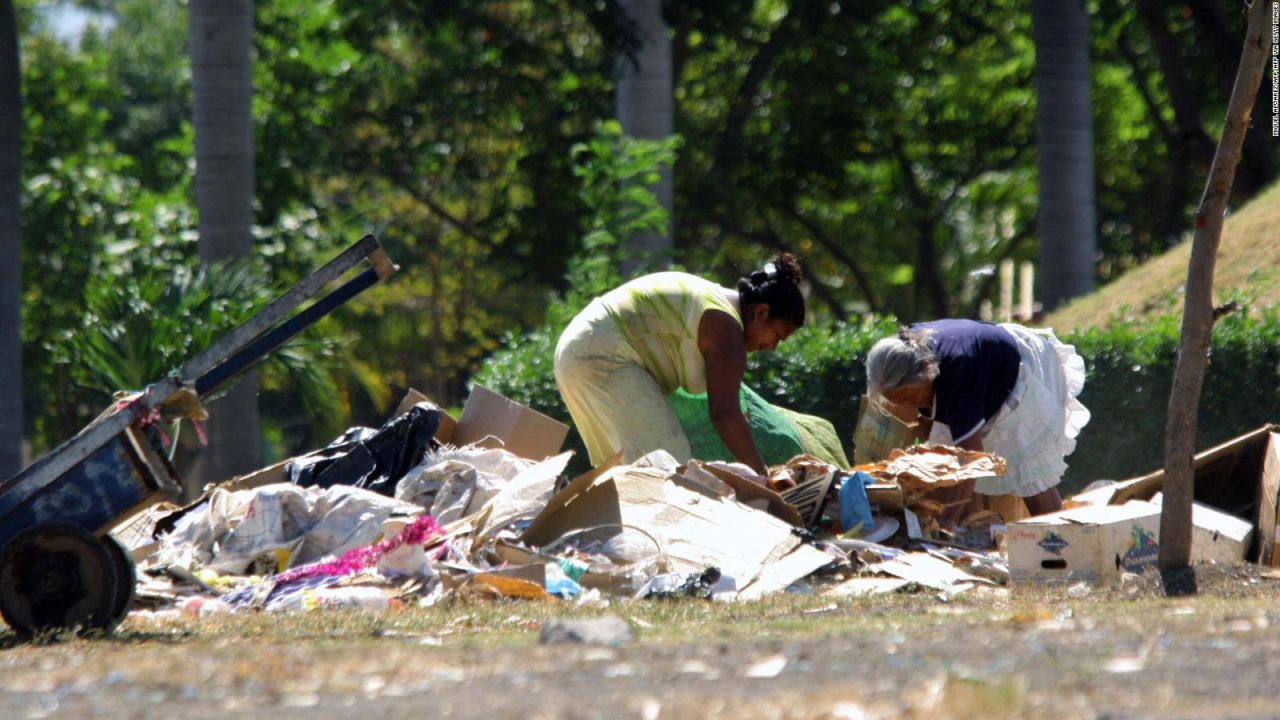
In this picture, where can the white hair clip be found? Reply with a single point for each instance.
(771, 271)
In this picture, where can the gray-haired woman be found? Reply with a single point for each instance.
(1006, 389)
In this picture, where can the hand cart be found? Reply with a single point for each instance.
(59, 567)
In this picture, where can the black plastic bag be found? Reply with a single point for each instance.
(371, 459)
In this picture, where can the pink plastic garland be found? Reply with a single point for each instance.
(419, 532)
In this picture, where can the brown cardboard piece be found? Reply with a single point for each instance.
(694, 527)
(491, 420)
(878, 433)
(747, 492)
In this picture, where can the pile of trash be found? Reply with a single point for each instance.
(397, 515)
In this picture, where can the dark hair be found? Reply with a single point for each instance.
(777, 285)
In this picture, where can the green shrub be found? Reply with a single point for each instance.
(821, 371)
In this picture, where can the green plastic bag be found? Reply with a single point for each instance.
(779, 434)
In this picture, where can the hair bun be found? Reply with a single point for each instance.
(787, 267)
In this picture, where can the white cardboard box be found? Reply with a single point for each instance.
(1216, 537)
(1097, 542)
(1087, 543)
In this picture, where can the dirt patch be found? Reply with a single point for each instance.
(1071, 651)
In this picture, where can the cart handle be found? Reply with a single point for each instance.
(237, 339)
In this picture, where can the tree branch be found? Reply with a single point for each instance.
(837, 251)
(761, 64)
(926, 253)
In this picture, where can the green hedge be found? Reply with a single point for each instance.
(821, 371)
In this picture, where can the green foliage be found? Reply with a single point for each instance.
(1130, 376)
(139, 328)
(616, 173)
(890, 144)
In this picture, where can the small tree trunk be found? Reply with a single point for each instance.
(1197, 314)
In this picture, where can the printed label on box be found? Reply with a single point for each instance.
(1143, 550)
(1053, 542)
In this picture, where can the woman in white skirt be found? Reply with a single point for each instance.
(1005, 389)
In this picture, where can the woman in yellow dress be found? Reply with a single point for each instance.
(621, 357)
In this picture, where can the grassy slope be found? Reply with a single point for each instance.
(1248, 270)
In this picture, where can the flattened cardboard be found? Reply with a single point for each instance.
(747, 492)
(930, 572)
(1093, 543)
(695, 527)
(491, 420)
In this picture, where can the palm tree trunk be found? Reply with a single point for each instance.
(10, 244)
(645, 107)
(1064, 137)
(220, 34)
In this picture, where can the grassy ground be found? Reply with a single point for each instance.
(1070, 652)
(1248, 269)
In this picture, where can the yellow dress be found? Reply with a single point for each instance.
(626, 352)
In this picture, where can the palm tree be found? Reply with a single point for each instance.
(220, 34)
(1064, 138)
(10, 244)
(645, 107)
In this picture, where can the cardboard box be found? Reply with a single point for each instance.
(493, 421)
(1087, 543)
(1098, 542)
(1240, 477)
(1216, 536)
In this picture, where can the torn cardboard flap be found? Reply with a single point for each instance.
(878, 433)
(750, 493)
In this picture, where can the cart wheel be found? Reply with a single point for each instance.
(57, 576)
(126, 578)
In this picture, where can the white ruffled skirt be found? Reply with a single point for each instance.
(1039, 423)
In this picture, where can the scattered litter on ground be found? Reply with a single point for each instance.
(479, 522)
